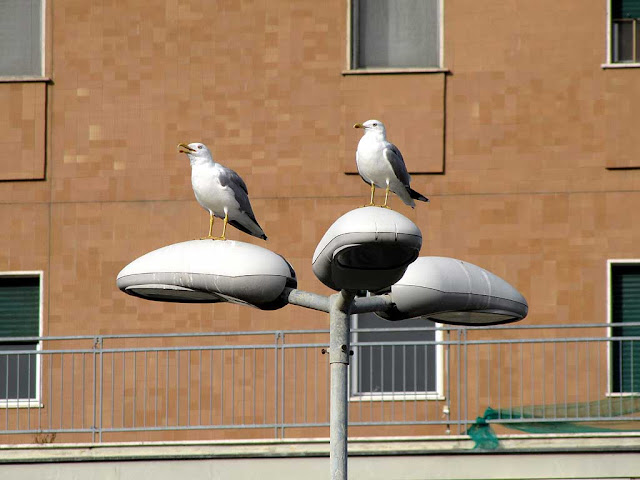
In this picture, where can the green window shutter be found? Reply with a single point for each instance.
(625, 308)
(19, 306)
(625, 8)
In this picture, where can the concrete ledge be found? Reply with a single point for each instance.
(533, 457)
(392, 446)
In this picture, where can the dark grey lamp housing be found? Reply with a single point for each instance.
(366, 249)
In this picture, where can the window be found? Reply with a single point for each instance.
(20, 314)
(21, 38)
(624, 305)
(625, 31)
(395, 34)
(388, 362)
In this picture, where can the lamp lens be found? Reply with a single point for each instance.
(375, 256)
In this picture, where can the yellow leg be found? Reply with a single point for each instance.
(224, 227)
(210, 224)
(210, 228)
(373, 191)
(386, 198)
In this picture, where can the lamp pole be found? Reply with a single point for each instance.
(339, 360)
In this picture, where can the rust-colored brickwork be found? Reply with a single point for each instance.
(22, 130)
(519, 147)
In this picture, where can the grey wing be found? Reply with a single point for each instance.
(229, 177)
(394, 157)
(239, 188)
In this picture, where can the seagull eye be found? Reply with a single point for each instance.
(375, 124)
(199, 147)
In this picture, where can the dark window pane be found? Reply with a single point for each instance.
(19, 306)
(623, 41)
(625, 8)
(637, 56)
(396, 34)
(17, 371)
(20, 37)
(625, 308)
(386, 367)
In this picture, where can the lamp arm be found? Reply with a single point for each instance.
(375, 303)
(315, 301)
(304, 299)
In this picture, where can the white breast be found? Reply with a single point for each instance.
(371, 163)
(209, 192)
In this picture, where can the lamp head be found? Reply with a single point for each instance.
(205, 271)
(446, 290)
(366, 249)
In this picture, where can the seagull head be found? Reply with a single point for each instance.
(197, 152)
(375, 127)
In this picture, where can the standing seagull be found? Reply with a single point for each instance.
(381, 165)
(220, 191)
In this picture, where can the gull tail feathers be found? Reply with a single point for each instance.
(417, 196)
(255, 230)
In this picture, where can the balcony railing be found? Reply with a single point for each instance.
(567, 378)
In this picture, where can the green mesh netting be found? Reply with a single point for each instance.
(483, 435)
(606, 415)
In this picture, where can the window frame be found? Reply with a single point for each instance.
(351, 41)
(610, 63)
(437, 395)
(36, 401)
(610, 380)
(42, 75)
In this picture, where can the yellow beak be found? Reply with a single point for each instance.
(184, 148)
(358, 125)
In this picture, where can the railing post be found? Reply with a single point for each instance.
(459, 379)
(282, 383)
(465, 366)
(97, 417)
(276, 379)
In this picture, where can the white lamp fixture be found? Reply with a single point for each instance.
(366, 249)
(207, 271)
(447, 290)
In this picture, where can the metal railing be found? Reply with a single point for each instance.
(276, 383)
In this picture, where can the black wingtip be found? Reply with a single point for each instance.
(263, 237)
(417, 196)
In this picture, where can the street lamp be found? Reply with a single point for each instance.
(446, 290)
(369, 248)
(200, 271)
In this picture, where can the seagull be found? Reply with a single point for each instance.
(220, 191)
(381, 165)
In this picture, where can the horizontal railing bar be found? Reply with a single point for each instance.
(551, 340)
(161, 335)
(142, 349)
(497, 342)
(427, 327)
(620, 418)
(227, 426)
(191, 348)
(289, 346)
(46, 430)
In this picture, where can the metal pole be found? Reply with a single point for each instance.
(339, 360)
